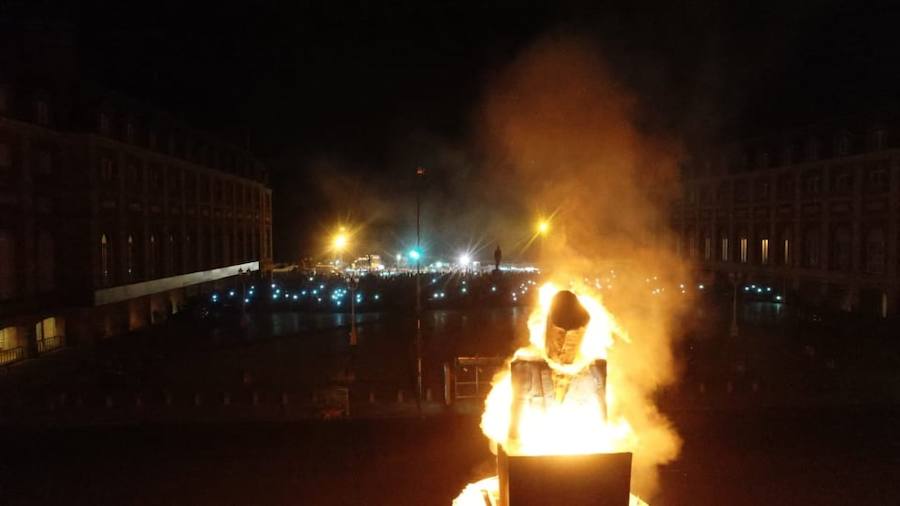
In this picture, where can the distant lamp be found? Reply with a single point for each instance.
(543, 227)
(464, 259)
(340, 241)
(415, 254)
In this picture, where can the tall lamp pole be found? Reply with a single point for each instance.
(735, 278)
(420, 174)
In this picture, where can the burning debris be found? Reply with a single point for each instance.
(547, 415)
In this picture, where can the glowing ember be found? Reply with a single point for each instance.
(574, 419)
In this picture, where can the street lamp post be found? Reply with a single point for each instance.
(352, 283)
(735, 278)
(420, 174)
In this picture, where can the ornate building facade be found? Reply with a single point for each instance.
(112, 213)
(813, 212)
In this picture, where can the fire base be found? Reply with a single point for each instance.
(599, 479)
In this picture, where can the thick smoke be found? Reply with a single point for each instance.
(560, 135)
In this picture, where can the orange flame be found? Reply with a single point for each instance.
(574, 426)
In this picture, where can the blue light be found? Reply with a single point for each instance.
(295, 297)
(273, 286)
(303, 292)
(415, 254)
(246, 301)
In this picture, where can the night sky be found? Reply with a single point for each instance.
(366, 91)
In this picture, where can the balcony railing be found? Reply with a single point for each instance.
(11, 355)
(50, 343)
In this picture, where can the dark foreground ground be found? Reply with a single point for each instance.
(762, 457)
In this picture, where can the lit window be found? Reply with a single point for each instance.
(707, 248)
(724, 249)
(787, 251)
(764, 252)
(743, 250)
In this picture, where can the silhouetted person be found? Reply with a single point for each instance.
(498, 255)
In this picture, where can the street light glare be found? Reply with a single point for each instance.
(414, 254)
(543, 227)
(340, 241)
(464, 259)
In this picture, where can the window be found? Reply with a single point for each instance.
(811, 248)
(42, 112)
(841, 249)
(44, 162)
(7, 265)
(8, 338)
(786, 187)
(843, 181)
(5, 158)
(104, 260)
(875, 251)
(843, 145)
(46, 255)
(878, 138)
(103, 123)
(174, 257)
(761, 191)
(154, 257)
(107, 170)
(707, 248)
(724, 249)
(786, 250)
(787, 155)
(764, 252)
(129, 258)
(877, 179)
(812, 184)
(812, 149)
(743, 250)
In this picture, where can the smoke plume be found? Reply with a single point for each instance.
(560, 136)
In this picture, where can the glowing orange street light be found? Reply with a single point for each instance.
(543, 227)
(340, 241)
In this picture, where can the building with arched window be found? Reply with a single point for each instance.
(112, 212)
(822, 217)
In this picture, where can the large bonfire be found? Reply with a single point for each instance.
(576, 420)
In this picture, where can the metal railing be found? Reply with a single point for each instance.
(473, 376)
(11, 355)
(50, 343)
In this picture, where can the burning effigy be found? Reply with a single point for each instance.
(547, 415)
